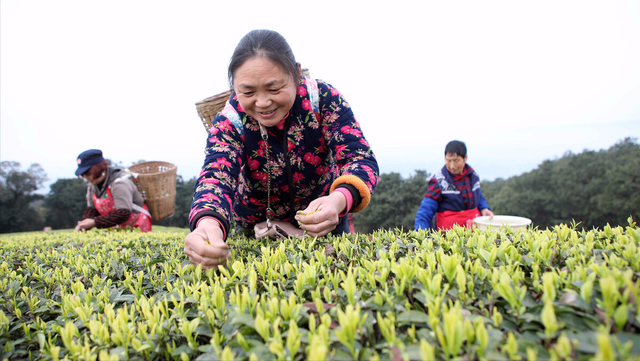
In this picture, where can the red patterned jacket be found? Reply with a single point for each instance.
(320, 148)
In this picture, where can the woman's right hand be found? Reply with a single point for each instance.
(211, 254)
(85, 225)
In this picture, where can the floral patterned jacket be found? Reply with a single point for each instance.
(321, 147)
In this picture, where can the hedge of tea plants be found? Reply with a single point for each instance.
(559, 294)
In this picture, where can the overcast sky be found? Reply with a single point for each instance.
(519, 82)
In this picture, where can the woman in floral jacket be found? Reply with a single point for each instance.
(282, 140)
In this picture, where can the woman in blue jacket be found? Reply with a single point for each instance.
(453, 194)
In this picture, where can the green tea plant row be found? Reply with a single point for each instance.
(463, 294)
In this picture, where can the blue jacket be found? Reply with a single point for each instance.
(442, 186)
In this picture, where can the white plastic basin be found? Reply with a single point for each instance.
(498, 221)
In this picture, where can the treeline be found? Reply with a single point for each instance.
(22, 209)
(394, 203)
(591, 188)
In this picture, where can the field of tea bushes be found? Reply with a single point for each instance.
(559, 294)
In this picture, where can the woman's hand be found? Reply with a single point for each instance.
(85, 225)
(321, 216)
(211, 254)
(487, 212)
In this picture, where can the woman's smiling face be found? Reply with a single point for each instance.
(264, 90)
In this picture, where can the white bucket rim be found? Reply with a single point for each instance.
(502, 220)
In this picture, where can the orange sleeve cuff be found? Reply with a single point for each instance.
(359, 185)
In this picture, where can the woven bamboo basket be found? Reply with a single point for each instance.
(157, 183)
(209, 107)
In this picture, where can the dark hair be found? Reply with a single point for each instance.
(96, 170)
(267, 43)
(456, 147)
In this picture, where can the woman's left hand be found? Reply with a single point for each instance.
(321, 216)
(487, 212)
(85, 224)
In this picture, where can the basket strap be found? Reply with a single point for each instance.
(133, 205)
(140, 209)
(314, 96)
(233, 116)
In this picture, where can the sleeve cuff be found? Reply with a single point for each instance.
(211, 214)
(349, 198)
(361, 190)
(224, 233)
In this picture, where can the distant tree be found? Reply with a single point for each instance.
(592, 188)
(65, 203)
(617, 194)
(528, 195)
(184, 197)
(17, 193)
(489, 188)
(394, 203)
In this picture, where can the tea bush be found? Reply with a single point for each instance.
(463, 294)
